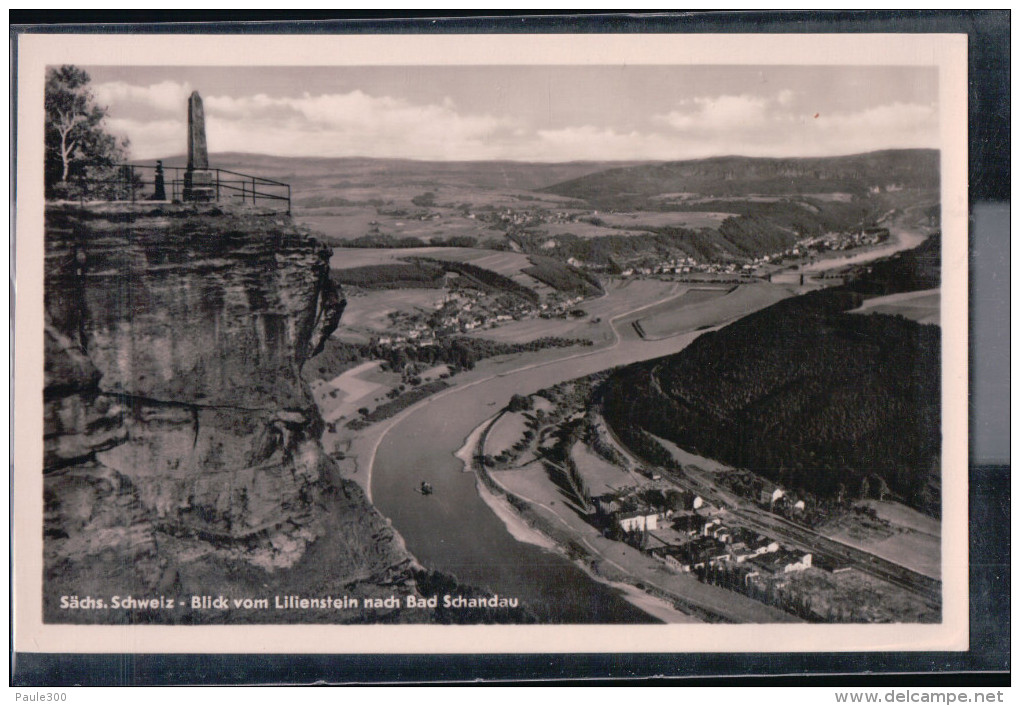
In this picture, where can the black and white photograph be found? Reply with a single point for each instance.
(660, 346)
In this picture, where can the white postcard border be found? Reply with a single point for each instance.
(36, 51)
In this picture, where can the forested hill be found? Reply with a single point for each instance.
(802, 393)
(907, 271)
(740, 176)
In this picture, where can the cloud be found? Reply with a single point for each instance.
(760, 126)
(357, 123)
(164, 97)
(357, 118)
(893, 117)
(334, 124)
(719, 113)
(893, 125)
(151, 139)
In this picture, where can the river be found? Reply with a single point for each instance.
(453, 530)
(902, 239)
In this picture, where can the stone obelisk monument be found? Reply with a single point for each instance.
(198, 180)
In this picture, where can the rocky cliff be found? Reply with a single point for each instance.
(181, 446)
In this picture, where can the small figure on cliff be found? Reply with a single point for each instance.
(159, 189)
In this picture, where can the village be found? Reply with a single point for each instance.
(690, 535)
(689, 518)
(466, 310)
(517, 223)
(755, 267)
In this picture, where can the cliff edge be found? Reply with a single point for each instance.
(182, 448)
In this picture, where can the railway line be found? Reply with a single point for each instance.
(926, 587)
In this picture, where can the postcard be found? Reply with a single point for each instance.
(491, 343)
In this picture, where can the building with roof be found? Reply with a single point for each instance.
(704, 552)
(691, 524)
(638, 520)
(674, 556)
(781, 562)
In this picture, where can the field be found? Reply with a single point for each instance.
(686, 458)
(696, 296)
(691, 198)
(348, 224)
(811, 281)
(674, 317)
(344, 394)
(640, 220)
(840, 196)
(621, 297)
(393, 276)
(435, 371)
(587, 230)
(506, 432)
(600, 475)
(363, 257)
(857, 597)
(922, 307)
(906, 517)
(562, 277)
(508, 264)
(384, 203)
(334, 173)
(338, 223)
(911, 539)
(370, 311)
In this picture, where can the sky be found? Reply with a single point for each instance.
(526, 113)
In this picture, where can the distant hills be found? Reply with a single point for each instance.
(525, 176)
(728, 208)
(633, 186)
(604, 181)
(840, 405)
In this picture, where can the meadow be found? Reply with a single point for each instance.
(922, 307)
(707, 308)
(641, 220)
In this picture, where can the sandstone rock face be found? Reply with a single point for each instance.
(206, 308)
(175, 414)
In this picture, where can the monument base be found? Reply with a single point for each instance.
(199, 186)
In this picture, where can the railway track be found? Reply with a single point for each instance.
(925, 587)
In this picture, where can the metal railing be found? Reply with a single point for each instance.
(138, 182)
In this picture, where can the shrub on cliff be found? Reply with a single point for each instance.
(78, 145)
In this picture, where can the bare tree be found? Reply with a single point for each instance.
(76, 136)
